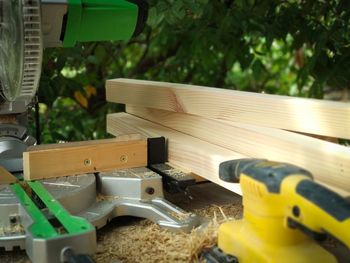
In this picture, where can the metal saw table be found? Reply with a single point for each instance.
(49, 217)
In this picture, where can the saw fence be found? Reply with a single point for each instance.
(206, 126)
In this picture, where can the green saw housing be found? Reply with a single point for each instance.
(103, 20)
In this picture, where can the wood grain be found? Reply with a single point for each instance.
(199, 157)
(125, 138)
(6, 177)
(83, 157)
(329, 162)
(326, 118)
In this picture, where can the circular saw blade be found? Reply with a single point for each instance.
(20, 49)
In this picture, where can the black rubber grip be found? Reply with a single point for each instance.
(327, 200)
(270, 173)
(230, 171)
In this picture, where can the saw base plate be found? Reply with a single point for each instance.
(98, 198)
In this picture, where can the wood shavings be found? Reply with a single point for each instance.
(175, 173)
(16, 256)
(180, 216)
(11, 230)
(100, 197)
(144, 241)
(147, 175)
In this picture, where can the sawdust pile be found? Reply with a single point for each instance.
(144, 241)
(16, 229)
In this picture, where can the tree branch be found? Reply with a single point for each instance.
(147, 63)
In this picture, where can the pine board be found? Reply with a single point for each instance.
(329, 162)
(313, 116)
(200, 157)
(58, 160)
(6, 177)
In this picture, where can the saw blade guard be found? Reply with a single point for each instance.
(20, 49)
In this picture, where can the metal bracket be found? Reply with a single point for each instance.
(139, 192)
(174, 180)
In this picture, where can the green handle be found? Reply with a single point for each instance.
(41, 227)
(72, 224)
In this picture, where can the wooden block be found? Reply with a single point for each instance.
(327, 118)
(47, 161)
(199, 157)
(329, 162)
(6, 177)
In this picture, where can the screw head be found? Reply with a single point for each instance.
(150, 190)
(87, 162)
(124, 158)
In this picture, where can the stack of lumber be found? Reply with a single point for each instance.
(206, 126)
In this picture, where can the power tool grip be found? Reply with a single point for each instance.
(327, 200)
(230, 171)
(319, 211)
(271, 174)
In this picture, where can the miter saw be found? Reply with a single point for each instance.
(54, 220)
(29, 26)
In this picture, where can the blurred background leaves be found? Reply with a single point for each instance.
(295, 47)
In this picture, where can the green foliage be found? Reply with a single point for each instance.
(294, 47)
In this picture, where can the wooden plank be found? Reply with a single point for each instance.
(6, 177)
(200, 157)
(83, 157)
(329, 162)
(132, 136)
(327, 118)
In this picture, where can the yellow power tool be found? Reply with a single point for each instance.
(284, 212)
